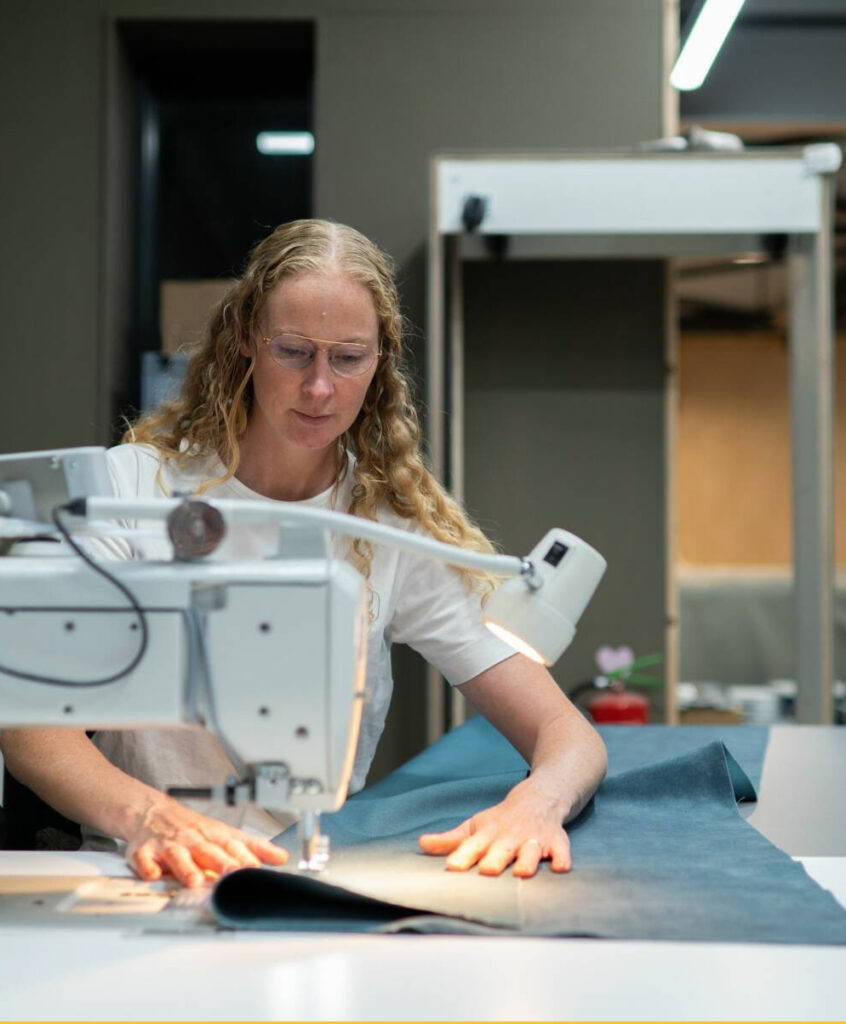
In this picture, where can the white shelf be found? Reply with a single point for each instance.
(640, 194)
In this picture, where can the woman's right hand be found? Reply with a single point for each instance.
(169, 838)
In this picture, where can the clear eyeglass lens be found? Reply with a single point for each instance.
(295, 353)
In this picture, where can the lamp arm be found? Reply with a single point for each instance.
(246, 512)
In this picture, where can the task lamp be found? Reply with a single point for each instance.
(535, 613)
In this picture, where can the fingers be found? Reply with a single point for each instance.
(143, 863)
(264, 850)
(476, 841)
(202, 851)
(561, 858)
(181, 865)
(526, 856)
(439, 843)
(241, 853)
(212, 857)
(500, 854)
(494, 856)
(469, 852)
(530, 855)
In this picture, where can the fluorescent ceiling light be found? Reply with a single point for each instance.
(285, 143)
(703, 43)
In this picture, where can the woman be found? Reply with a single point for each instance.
(297, 394)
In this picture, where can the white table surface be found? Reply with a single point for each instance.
(800, 806)
(110, 973)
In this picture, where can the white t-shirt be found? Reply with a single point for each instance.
(416, 601)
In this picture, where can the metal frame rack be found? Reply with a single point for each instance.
(657, 205)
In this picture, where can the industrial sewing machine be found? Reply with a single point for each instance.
(268, 654)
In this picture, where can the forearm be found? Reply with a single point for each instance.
(566, 754)
(568, 763)
(65, 769)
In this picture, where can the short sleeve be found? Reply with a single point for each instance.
(441, 619)
(131, 470)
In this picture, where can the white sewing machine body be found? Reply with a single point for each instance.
(286, 639)
(270, 655)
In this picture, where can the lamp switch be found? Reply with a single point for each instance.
(556, 553)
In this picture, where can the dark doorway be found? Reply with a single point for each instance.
(204, 194)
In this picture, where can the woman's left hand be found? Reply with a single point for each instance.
(525, 828)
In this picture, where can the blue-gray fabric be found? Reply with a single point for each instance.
(635, 746)
(660, 853)
(477, 748)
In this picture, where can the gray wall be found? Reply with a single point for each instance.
(396, 81)
(564, 420)
(50, 224)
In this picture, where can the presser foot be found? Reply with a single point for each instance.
(314, 846)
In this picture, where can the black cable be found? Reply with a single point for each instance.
(33, 677)
(195, 633)
(581, 688)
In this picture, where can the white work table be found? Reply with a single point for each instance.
(109, 971)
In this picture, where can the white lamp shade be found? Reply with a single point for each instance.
(541, 623)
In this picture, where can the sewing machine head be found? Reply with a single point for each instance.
(268, 654)
(239, 647)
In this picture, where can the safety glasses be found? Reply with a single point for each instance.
(346, 358)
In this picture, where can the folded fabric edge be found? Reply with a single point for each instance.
(741, 784)
(234, 901)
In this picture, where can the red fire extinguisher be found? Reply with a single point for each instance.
(618, 706)
(613, 703)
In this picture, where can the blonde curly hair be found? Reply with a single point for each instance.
(211, 412)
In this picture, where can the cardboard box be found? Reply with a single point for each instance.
(710, 716)
(185, 307)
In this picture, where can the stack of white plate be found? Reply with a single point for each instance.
(761, 705)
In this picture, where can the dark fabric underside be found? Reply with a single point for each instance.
(660, 853)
